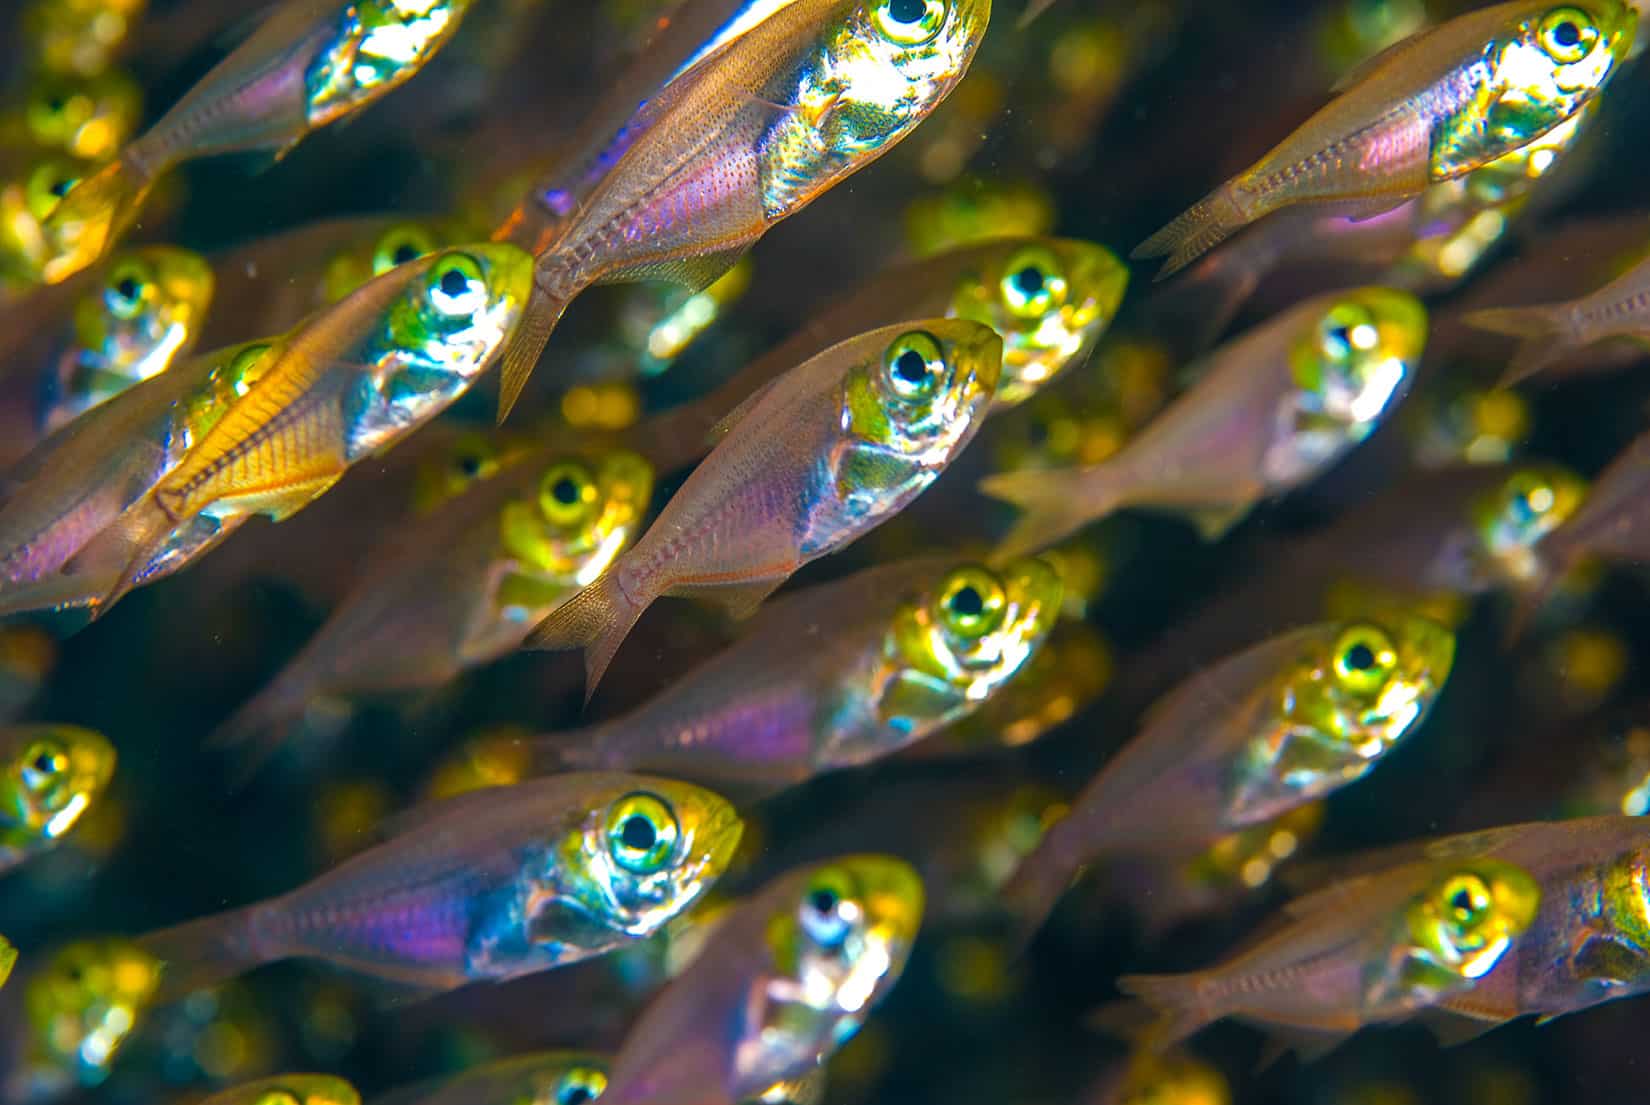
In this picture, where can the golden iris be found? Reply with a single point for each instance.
(566, 494)
(909, 22)
(1568, 35)
(642, 833)
(1364, 659)
(1033, 284)
(971, 602)
(915, 366)
(456, 286)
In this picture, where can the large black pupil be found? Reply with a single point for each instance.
(61, 188)
(565, 491)
(454, 283)
(44, 763)
(912, 367)
(128, 288)
(404, 253)
(470, 466)
(822, 902)
(1360, 658)
(1340, 335)
(906, 11)
(578, 1095)
(1566, 34)
(638, 834)
(1029, 280)
(967, 603)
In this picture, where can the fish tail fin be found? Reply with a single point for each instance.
(521, 355)
(597, 619)
(1182, 1002)
(1544, 332)
(1202, 227)
(1031, 894)
(290, 707)
(211, 950)
(1054, 504)
(1033, 9)
(91, 216)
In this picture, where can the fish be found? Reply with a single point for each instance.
(289, 1089)
(52, 775)
(822, 455)
(772, 116)
(351, 383)
(1049, 299)
(8, 959)
(783, 981)
(1272, 728)
(489, 885)
(1365, 951)
(29, 193)
(83, 39)
(461, 586)
(1431, 108)
(145, 315)
(81, 1005)
(1550, 332)
(543, 1077)
(836, 676)
(86, 117)
(1271, 411)
(310, 63)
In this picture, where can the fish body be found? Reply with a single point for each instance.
(289, 1089)
(81, 1006)
(782, 982)
(821, 456)
(883, 659)
(549, 1077)
(1273, 410)
(1263, 732)
(1372, 949)
(465, 584)
(490, 885)
(310, 63)
(764, 123)
(1434, 107)
(8, 959)
(1550, 332)
(52, 774)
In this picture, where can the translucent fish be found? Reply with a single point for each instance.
(79, 37)
(8, 959)
(463, 585)
(972, 210)
(28, 196)
(489, 885)
(890, 655)
(88, 118)
(81, 1007)
(1372, 949)
(351, 383)
(760, 126)
(825, 453)
(781, 984)
(1049, 299)
(1551, 332)
(145, 315)
(312, 62)
(1272, 411)
(1434, 107)
(542, 1077)
(1270, 729)
(50, 775)
(289, 1089)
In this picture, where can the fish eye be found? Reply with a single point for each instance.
(46, 186)
(456, 286)
(279, 1096)
(399, 246)
(566, 494)
(1568, 35)
(909, 22)
(1348, 329)
(1467, 899)
(1033, 284)
(828, 910)
(971, 602)
(1364, 657)
(642, 833)
(580, 1085)
(44, 764)
(125, 292)
(915, 366)
(1530, 497)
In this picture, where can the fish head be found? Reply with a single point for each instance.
(581, 514)
(1372, 684)
(457, 308)
(468, 459)
(1357, 354)
(1509, 521)
(375, 46)
(88, 117)
(645, 850)
(954, 644)
(86, 1001)
(568, 1078)
(26, 202)
(1465, 919)
(923, 393)
(1049, 299)
(53, 774)
(292, 1089)
(1548, 66)
(399, 243)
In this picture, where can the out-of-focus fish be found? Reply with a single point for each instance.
(839, 675)
(1050, 299)
(81, 1006)
(972, 211)
(1550, 332)
(289, 1089)
(783, 104)
(80, 37)
(352, 382)
(87, 118)
(542, 1077)
(488, 885)
(783, 982)
(311, 63)
(1371, 949)
(29, 192)
(1434, 107)
(825, 453)
(1263, 732)
(463, 585)
(1273, 410)
(52, 774)
(8, 959)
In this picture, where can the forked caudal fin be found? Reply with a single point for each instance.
(1204, 226)
(1055, 504)
(290, 708)
(1544, 332)
(209, 951)
(1182, 1001)
(521, 356)
(597, 619)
